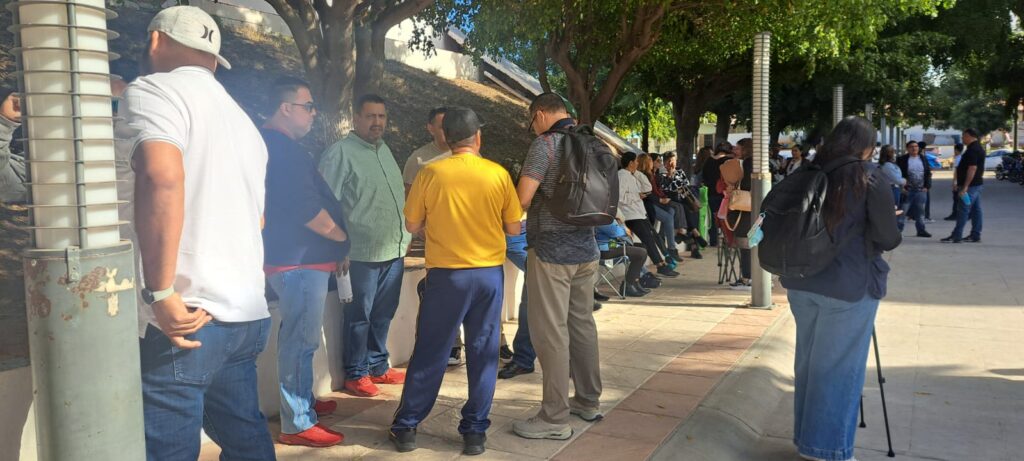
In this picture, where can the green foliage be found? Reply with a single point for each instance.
(626, 117)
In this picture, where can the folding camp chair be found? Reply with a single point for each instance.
(606, 271)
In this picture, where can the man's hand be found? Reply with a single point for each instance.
(10, 108)
(664, 200)
(924, 189)
(177, 320)
(343, 267)
(963, 192)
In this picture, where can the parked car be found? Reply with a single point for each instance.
(995, 158)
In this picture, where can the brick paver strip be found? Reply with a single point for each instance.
(641, 422)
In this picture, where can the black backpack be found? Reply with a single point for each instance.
(796, 241)
(587, 188)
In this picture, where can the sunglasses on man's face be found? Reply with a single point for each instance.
(529, 128)
(309, 106)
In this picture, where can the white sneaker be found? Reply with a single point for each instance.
(455, 359)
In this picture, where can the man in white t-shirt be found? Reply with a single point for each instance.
(200, 167)
(436, 149)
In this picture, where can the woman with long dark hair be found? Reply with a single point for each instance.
(835, 308)
(887, 162)
(631, 211)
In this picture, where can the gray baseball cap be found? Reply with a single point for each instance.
(460, 123)
(191, 27)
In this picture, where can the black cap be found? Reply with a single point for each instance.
(5, 92)
(460, 123)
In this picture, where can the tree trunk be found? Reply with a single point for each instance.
(645, 142)
(542, 67)
(370, 58)
(334, 119)
(686, 113)
(722, 126)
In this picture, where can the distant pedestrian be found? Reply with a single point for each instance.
(958, 151)
(712, 176)
(12, 163)
(887, 162)
(796, 160)
(363, 175)
(915, 168)
(922, 147)
(969, 184)
(466, 204)
(835, 309)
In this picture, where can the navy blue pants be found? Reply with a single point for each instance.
(452, 297)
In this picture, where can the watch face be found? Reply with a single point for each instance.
(147, 296)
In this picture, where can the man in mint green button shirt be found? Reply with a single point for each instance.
(363, 175)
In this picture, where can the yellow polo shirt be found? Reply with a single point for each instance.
(465, 201)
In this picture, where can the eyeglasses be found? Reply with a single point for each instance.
(309, 106)
(529, 128)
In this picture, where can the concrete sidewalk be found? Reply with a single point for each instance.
(660, 356)
(950, 339)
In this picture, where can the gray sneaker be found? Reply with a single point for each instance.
(587, 414)
(536, 428)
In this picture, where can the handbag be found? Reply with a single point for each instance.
(687, 195)
(739, 200)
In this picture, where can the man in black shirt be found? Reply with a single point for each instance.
(968, 186)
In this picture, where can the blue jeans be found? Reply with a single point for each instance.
(212, 387)
(832, 339)
(972, 212)
(522, 348)
(913, 208)
(667, 231)
(453, 297)
(301, 295)
(375, 291)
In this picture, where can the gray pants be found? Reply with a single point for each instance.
(563, 331)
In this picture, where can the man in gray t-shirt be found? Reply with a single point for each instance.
(561, 266)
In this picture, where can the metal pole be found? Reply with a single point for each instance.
(886, 139)
(80, 296)
(869, 109)
(761, 280)
(837, 104)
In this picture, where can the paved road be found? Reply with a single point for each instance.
(951, 334)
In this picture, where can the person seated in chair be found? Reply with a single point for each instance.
(614, 243)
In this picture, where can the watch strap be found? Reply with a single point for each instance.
(162, 294)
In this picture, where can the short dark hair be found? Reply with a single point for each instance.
(365, 99)
(923, 145)
(667, 155)
(627, 158)
(655, 157)
(959, 147)
(282, 89)
(724, 147)
(548, 102)
(912, 142)
(973, 132)
(435, 112)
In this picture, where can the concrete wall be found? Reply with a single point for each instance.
(17, 423)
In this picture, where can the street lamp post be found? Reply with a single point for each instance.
(79, 274)
(837, 104)
(761, 281)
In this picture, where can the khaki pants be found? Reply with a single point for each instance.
(563, 331)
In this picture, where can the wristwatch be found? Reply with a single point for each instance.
(152, 297)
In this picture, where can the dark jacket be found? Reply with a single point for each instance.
(902, 160)
(859, 269)
(296, 192)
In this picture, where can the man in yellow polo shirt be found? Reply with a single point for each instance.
(466, 204)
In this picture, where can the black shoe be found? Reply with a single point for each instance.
(624, 287)
(924, 234)
(512, 370)
(597, 306)
(650, 281)
(973, 239)
(949, 218)
(683, 238)
(600, 297)
(633, 290)
(700, 241)
(950, 239)
(675, 255)
(473, 444)
(455, 358)
(665, 271)
(695, 254)
(405, 441)
(505, 354)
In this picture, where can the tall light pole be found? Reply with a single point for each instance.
(761, 280)
(79, 274)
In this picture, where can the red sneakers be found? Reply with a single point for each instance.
(392, 376)
(324, 407)
(316, 436)
(362, 387)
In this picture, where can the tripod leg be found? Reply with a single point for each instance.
(881, 390)
(862, 423)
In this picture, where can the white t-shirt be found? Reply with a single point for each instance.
(220, 256)
(642, 182)
(420, 158)
(631, 206)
